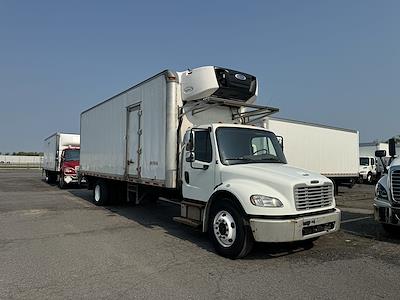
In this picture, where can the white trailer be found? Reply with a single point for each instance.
(54, 146)
(328, 150)
(182, 136)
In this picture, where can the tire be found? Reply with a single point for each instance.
(50, 177)
(369, 178)
(46, 176)
(392, 229)
(100, 193)
(234, 241)
(61, 183)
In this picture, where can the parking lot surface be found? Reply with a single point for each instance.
(56, 244)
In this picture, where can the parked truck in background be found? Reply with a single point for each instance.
(328, 150)
(387, 192)
(61, 158)
(371, 169)
(183, 137)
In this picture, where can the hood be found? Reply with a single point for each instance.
(275, 173)
(273, 180)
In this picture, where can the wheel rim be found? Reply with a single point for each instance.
(224, 228)
(369, 178)
(97, 193)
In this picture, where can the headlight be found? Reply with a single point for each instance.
(69, 170)
(265, 201)
(380, 192)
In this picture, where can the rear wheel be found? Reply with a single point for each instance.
(100, 193)
(228, 230)
(50, 177)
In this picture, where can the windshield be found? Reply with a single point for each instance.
(364, 161)
(70, 155)
(247, 145)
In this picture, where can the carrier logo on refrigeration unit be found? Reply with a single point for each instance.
(240, 76)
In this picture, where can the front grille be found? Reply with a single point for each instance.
(310, 197)
(396, 185)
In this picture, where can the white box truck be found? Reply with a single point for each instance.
(61, 158)
(328, 150)
(371, 169)
(182, 136)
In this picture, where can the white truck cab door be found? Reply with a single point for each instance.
(198, 172)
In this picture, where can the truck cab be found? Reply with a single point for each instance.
(69, 164)
(387, 192)
(367, 170)
(239, 170)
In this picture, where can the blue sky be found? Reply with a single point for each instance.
(330, 62)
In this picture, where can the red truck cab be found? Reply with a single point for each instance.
(69, 165)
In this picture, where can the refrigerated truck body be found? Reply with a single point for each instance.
(330, 151)
(61, 158)
(183, 136)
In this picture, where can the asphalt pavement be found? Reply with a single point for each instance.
(55, 244)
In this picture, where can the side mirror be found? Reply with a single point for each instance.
(392, 147)
(190, 141)
(380, 153)
(190, 157)
(280, 140)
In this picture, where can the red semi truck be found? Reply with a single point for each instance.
(61, 158)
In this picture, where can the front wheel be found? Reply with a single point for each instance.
(61, 183)
(369, 178)
(228, 230)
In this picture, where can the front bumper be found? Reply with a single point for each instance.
(70, 179)
(385, 213)
(295, 229)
